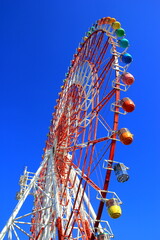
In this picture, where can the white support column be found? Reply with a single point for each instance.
(21, 201)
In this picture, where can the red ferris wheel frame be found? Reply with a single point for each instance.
(62, 186)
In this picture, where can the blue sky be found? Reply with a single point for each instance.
(38, 40)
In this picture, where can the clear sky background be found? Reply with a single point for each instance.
(37, 41)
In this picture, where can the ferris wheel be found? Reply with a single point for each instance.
(70, 190)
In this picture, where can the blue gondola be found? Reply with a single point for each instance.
(121, 172)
